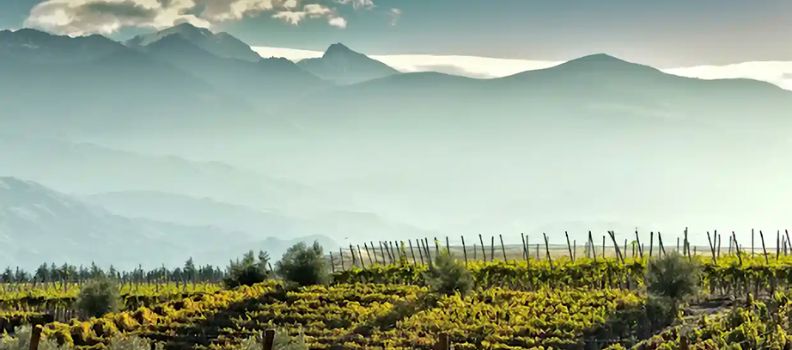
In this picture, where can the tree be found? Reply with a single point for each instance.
(99, 297)
(672, 276)
(189, 270)
(248, 271)
(304, 265)
(448, 276)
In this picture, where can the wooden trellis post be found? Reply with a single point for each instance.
(638, 240)
(269, 339)
(360, 256)
(603, 248)
(651, 243)
(591, 245)
(332, 263)
(483, 249)
(524, 252)
(448, 247)
(341, 256)
(737, 247)
(712, 248)
(35, 337)
(443, 342)
(368, 253)
(382, 252)
(352, 252)
(660, 243)
(616, 246)
(764, 249)
(569, 247)
(428, 251)
(412, 252)
(492, 248)
(464, 249)
(778, 244)
(547, 250)
(420, 251)
(503, 248)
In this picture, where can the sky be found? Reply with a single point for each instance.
(702, 38)
(670, 33)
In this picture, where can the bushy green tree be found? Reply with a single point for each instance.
(448, 276)
(99, 297)
(247, 271)
(672, 276)
(304, 265)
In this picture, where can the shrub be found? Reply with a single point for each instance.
(282, 341)
(448, 276)
(248, 271)
(672, 276)
(99, 297)
(21, 341)
(304, 265)
(125, 342)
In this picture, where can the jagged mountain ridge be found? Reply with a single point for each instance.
(342, 65)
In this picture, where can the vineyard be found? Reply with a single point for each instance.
(590, 300)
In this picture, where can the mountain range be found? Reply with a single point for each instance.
(189, 128)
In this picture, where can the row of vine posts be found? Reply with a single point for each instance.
(390, 252)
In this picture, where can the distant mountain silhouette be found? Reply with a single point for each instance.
(264, 83)
(38, 225)
(342, 65)
(34, 46)
(219, 44)
(588, 88)
(92, 84)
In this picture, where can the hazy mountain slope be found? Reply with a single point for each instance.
(90, 85)
(264, 83)
(180, 191)
(38, 225)
(86, 169)
(219, 44)
(188, 210)
(597, 90)
(344, 66)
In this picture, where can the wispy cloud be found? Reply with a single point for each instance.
(80, 17)
(470, 66)
(775, 72)
(395, 15)
(312, 11)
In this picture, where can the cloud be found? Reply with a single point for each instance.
(358, 4)
(470, 66)
(312, 11)
(395, 15)
(80, 17)
(338, 22)
(775, 72)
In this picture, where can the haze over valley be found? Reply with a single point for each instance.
(186, 142)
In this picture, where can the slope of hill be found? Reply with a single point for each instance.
(38, 225)
(83, 85)
(342, 65)
(219, 44)
(599, 89)
(264, 83)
